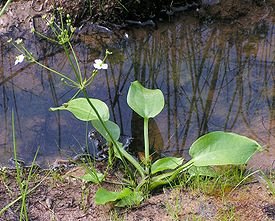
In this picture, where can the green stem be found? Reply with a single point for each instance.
(18, 170)
(61, 20)
(77, 74)
(76, 61)
(146, 144)
(166, 178)
(58, 73)
(5, 7)
(47, 38)
(20, 197)
(24, 194)
(120, 151)
(133, 162)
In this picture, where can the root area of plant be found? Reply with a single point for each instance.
(63, 197)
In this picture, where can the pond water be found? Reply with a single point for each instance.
(213, 76)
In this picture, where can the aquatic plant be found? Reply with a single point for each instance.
(144, 176)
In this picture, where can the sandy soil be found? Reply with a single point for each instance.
(67, 198)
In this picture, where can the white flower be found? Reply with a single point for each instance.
(100, 65)
(19, 59)
(18, 41)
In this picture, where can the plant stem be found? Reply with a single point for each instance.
(58, 73)
(146, 144)
(77, 63)
(18, 169)
(166, 178)
(77, 74)
(5, 7)
(20, 197)
(138, 167)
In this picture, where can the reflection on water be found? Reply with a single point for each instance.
(215, 77)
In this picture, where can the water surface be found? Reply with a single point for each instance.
(213, 76)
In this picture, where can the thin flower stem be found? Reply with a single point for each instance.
(44, 36)
(5, 7)
(19, 49)
(61, 20)
(58, 73)
(91, 78)
(76, 61)
(77, 74)
(53, 27)
(75, 95)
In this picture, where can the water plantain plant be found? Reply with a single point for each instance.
(141, 177)
(212, 149)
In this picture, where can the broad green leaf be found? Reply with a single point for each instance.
(82, 110)
(134, 199)
(111, 126)
(104, 196)
(202, 171)
(93, 177)
(222, 148)
(167, 163)
(146, 102)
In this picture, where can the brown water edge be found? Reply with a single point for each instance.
(118, 13)
(66, 198)
(24, 13)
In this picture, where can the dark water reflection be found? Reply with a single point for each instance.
(215, 77)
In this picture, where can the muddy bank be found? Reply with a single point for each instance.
(62, 197)
(119, 12)
(123, 13)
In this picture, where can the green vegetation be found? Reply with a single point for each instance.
(5, 7)
(269, 180)
(23, 178)
(173, 205)
(21, 182)
(220, 181)
(140, 177)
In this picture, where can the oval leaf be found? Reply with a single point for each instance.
(104, 196)
(94, 177)
(167, 163)
(145, 102)
(134, 199)
(222, 148)
(82, 110)
(111, 126)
